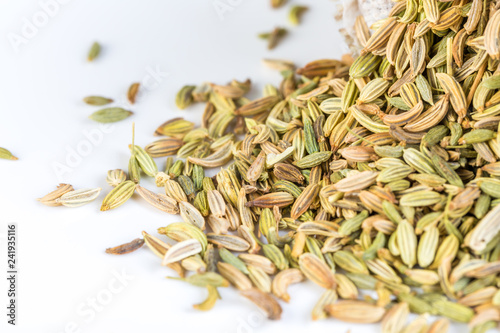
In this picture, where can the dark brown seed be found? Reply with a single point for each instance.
(127, 247)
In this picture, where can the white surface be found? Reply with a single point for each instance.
(62, 263)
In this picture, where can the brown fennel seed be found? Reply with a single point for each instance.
(127, 247)
(132, 92)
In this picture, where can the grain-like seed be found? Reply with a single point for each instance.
(317, 271)
(181, 251)
(359, 312)
(265, 301)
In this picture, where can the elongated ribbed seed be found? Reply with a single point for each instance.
(266, 302)
(356, 311)
(115, 177)
(127, 247)
(316, 270)
(110, 115)
(181, 251)
(79, 197)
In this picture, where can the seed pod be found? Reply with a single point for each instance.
(181, 251)
(445, 170)
(187, 186)
(163, 147)
(145, 161)
(373, 90)
(257, 106)
(216, 203)
(176, 169)
(127, 247)
(395, 318)
(97, 100)
(407, 243)
(51, 198)
(274, 254)
(116, 177)
(259, 261)
(420, 199)
(118, 196)
(94, 51)
(350, 263)
(184, 97)
(174, 190)
(234, 276)
(364, 66)
(345, 287)
(317, 271)
(204, 280)
(356, 182)
(283, 279)
(476, 136)
(313, 160)
(110, 115)
(440, 325)
(257, 167)
(355, 311)
(359, 154)
(259, 278)
(457, 96)
(353, 224)
(394, 173)
(182, 231)
(367, 122)
(160, 201)
(431, 117)
(231, 259)
(328, 297)
(453, 311)
(447, 250)
(491, 32)
(191, 215)
(304, 200)
(79, 197)
(233, 243)
(288, 172)
(311, 144)
(217, 159)
(154, 244)
(132, 92)
(279, 199)
(208, 303)
(286, 186)
(381, 269)
(427, 246)
(295, 14)
(134, 171)
(176, 127)
(434, 135)
(484, 231)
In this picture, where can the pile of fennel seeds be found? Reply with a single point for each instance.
(379, 173)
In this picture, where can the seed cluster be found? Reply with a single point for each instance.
(376, 173)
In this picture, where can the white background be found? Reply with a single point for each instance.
(62, 264)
